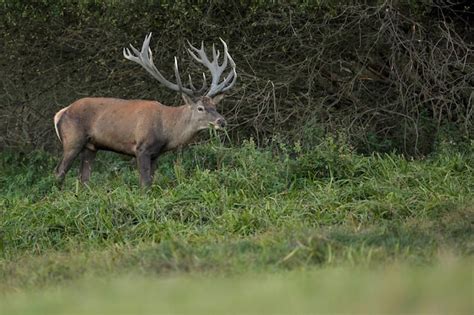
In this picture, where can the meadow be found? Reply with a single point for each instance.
(320, 222)
(377, 218)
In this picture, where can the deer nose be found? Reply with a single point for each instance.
(221, 122)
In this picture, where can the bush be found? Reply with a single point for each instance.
(388, 74)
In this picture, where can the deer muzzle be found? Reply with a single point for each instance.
(219, 123)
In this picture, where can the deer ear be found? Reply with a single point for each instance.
(216, 99)
(188, 100)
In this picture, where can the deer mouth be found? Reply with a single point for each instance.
(218, 124)
(215, 126)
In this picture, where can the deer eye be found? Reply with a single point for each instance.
(200, 108)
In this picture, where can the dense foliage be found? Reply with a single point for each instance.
(388, 74)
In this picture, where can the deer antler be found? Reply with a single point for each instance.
(145, 59)
(214, 67)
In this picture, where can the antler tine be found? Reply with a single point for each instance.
(215, 55)
(145, 59)
(203, 86)
(202, 54)
(191, 85)
(178, 77)
(233, 73)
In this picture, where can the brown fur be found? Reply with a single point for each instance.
(144, 129)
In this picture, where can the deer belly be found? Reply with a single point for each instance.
(123, 145)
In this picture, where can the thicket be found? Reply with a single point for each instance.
(389, 75)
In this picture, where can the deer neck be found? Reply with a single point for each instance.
(183, 130)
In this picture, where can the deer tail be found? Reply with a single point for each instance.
(57, 119)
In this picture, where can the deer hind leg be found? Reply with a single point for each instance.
(73, 144)
(66, 163)
(87, 160)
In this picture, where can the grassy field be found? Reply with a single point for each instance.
(444, 289)
(296, 225)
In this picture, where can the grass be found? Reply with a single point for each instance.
(443, 289)
(232, 211)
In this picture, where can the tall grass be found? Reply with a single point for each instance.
(231, 209)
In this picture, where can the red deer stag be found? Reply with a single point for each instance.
(140, 128)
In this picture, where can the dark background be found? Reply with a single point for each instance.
(387, 75)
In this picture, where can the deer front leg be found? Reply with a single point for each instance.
(144, 168)
(153, 167)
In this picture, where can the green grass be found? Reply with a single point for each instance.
(231, 211)
(397, 289)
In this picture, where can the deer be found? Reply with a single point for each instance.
(144, 129)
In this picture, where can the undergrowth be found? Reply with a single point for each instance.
(230, 209)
